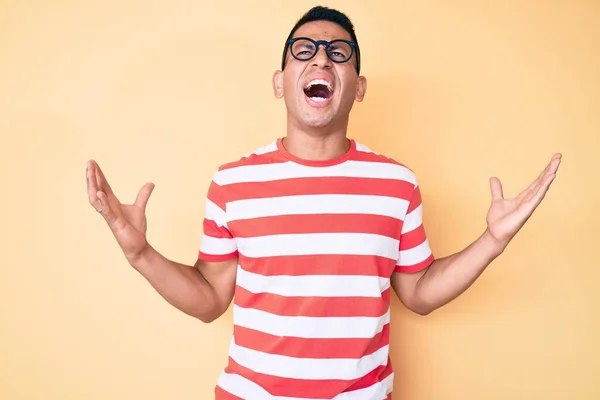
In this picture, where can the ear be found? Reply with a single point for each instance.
(361, 88)
(278, 84)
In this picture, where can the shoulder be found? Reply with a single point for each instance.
(366, 154)
(267, 154)
(259, 155)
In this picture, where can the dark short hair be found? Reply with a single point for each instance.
(321, 13)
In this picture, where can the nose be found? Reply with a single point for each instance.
(320, 59)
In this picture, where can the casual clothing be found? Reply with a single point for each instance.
(317, 243)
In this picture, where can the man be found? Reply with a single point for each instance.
(312, 233)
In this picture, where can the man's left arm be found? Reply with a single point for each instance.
(429, 288)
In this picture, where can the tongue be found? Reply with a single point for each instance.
(318, 91)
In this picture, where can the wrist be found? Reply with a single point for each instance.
(142, 257)
(493, 246)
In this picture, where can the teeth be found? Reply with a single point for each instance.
(319, 82)
(318, 99)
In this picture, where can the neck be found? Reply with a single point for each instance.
(319, 144)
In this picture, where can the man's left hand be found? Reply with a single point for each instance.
(507, 216)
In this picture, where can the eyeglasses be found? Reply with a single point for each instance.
(338, 51)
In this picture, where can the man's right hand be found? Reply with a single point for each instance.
(126, 221)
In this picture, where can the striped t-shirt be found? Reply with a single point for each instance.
(317, 243)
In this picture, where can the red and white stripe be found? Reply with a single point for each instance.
(316, 248)
(243, 388)
(276, 171)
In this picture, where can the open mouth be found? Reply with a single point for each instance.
(318, 90)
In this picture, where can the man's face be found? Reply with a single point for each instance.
(319, 92)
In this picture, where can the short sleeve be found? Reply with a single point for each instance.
(415, 253)
(217, 243)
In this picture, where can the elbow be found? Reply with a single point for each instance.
(422, 311)
(209, 317)
(421, 308)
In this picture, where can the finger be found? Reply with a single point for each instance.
(105, 208)
(540, 177)
(535, 185)
(551, 167)
(101, 180)
(92, 186)
(144, 195)
(555, 163)
(545, 184)
(534, 200)
(550, 170)
(496, 188)
(532, 188)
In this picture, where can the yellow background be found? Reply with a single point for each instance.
(167, 91)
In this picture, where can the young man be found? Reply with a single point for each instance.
(312, 233)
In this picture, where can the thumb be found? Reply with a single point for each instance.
(144, 195)
(496, 188)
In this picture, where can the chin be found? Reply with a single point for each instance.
(315, 117)
(304, 115)
(313, 121)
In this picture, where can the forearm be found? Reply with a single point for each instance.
(450, 276)
(183, 286)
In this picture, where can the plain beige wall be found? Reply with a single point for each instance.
(167, 91)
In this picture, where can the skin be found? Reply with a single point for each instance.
(205, 290)
(312, 133)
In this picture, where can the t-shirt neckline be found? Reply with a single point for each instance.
(317, 163)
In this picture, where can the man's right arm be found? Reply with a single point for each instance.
(203, 291)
